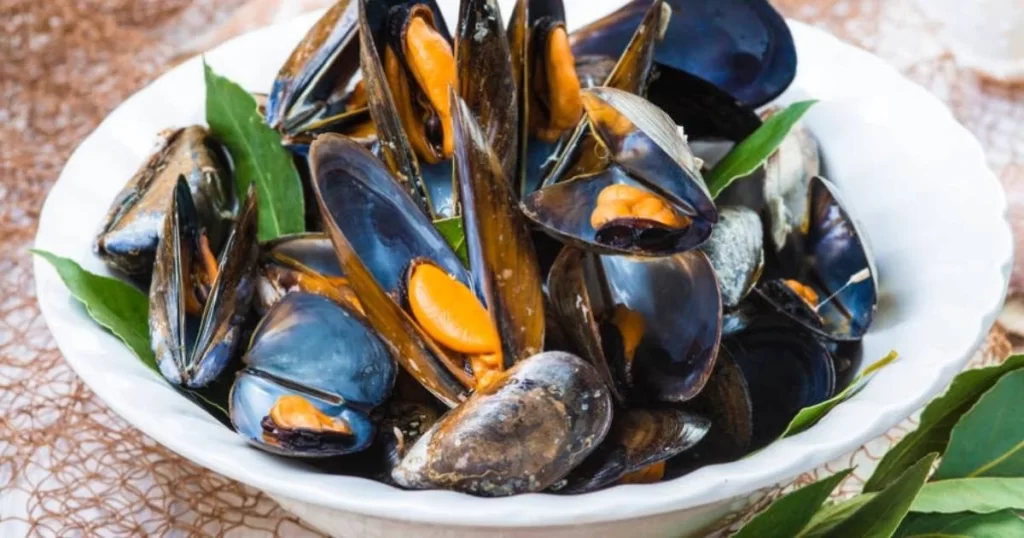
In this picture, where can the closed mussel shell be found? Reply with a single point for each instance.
(650, 325)
(311, 350)
(638, 438)
(519, 435)
(128, 238)
(786, 369)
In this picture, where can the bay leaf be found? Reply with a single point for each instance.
(1002, 524)
(453, 232)
(788, 515)
(117, 306)
(752, 152)
(978, 495)
(258, 156)
(988, 440)
(937, 421)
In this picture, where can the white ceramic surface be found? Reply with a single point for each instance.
(917, 180)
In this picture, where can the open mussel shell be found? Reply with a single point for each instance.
(638, 438)
(377, 231)
(786, 369)
(310, 348)
(837, 266)
(706, 111)
(725, 402)
(501, 252)
(318, 84)
(191, 350)
(301, 262)
(553, 408)
(487, 80)
(128, 238)
(742, 46)
(736, 251)
(412, 122)
(648, 153)
(650, 326)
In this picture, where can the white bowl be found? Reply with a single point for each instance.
(932, 210)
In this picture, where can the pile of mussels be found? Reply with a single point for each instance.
(612, 324)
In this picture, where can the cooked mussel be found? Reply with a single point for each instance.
(649, 325)
(636, 448)
(301, 262)
(406, 275)
(650, 201)
(742, 46)
(128, 239)
(199, 301)
(832, 291)
(320, 85)
(522, 433)
(314, 371)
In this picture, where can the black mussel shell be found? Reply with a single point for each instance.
(673, 301)
(638, 438)
(317, 84)
(703, 109)
(128, 238)
(786, 369)
(377, 231)
(189, 351)
(742, 46)
(312, 347)
(519, 435)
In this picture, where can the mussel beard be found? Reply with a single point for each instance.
(555, 102)
(420, 67)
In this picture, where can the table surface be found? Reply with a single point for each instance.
(68, 465)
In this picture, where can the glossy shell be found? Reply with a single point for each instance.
(520, 435)
(128, 238)
(312, 347)
(736, 251)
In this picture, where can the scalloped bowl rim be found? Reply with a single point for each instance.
(852, 83)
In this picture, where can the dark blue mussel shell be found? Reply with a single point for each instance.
(310, 346)
(742, 46)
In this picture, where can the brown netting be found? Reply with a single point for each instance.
(68, 465)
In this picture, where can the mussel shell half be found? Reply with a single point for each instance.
(786, 369)
(300, 262)
(377, 232)
(679, 301)
(725, 401)
(638, 438)
(520, 435)
(193, 352)
(836, 254)
(703, 109)
(128, 238)
(309, 346)
(736, 252)
(742, 46)
(486, 79)
(320, 74)
(648, 152)
(501, 253)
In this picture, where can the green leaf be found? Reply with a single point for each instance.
(1002, 524)
(116, 305)
(752, 152)
(452, 231)
(988, 440)
(881, 515)
(809, 416)
(831, 515)
(937, 421)
(789, 514)
(258, 156)
(978, 495)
